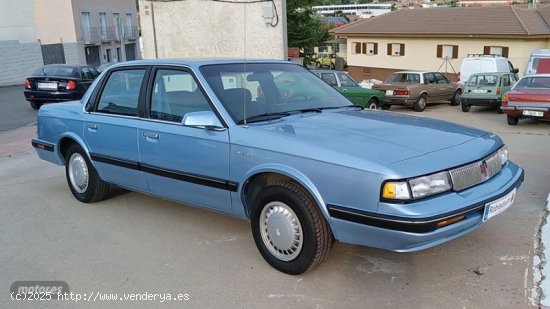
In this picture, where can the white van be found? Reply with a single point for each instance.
(484, 64)
(534, 60)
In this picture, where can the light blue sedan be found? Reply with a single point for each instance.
(304, 170)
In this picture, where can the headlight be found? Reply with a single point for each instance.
(417, 187)
(503, 155)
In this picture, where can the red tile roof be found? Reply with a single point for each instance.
(508, 21)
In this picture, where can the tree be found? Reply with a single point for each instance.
(304, 29)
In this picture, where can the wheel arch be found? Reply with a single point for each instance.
(263, 176)
(66, 141)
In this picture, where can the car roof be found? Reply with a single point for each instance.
(490, 73)
(415, 72)
(536, 75)
(63, 65)
(197, 62)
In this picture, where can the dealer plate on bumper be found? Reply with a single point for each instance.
(496, 207)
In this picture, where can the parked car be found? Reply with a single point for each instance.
(57, 83)
(417, 89)
(486, 89)
(529, 98)
(538, 63)
(350, 89)
(482, 64)
(326, 60)
(303, 171)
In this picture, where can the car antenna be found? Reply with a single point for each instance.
(244, 71)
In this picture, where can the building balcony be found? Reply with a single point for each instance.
(131, 33)
(94, 35)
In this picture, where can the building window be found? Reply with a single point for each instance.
(496, 50)
(103, 25)
(355, 48)
(370, 48)
(447, 51)
(396, 49)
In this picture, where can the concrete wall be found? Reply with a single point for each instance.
(54, 21)
(18, 60)
(421, 54)
(196, 28)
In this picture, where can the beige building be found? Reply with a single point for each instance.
(37, 32)
(229, 29)
(439, 38)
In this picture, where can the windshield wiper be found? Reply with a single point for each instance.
(264, 117)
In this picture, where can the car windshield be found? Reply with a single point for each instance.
(403, 78)
(262, 91)
(534, 82)
(55, 70)
(483, 80)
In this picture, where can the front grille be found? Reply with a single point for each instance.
(475, 173)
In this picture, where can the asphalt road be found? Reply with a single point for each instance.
(132, 243)
(15, 112)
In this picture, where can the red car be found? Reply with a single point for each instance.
(529, 98)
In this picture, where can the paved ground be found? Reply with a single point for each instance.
(16, 111)
(132, 243)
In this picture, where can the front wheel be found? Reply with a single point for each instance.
(420, 104)
(455, 100)
(289, 229)
(82, 177)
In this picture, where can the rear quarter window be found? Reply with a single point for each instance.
(120, 94)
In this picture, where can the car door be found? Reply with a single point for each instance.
(187, 164)
(430, 84)
(351, 90)
(445, 88)
(87, 77)
(111, 128)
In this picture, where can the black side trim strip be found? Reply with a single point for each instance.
(192, 178)
(178, 175)
(42, 145)
(115, 161)
(415, 225)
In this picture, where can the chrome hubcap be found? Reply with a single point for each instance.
(373, 105)
(281, 231)
(78, 173)
(422, 103)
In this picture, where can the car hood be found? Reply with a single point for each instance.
(375, 136)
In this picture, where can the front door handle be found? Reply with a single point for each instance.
(92, 127)
(151, 136)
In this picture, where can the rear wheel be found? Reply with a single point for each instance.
(420, 104)
(373, 103)
(289, 229)
(512, 120)
(35, 104)
(385, 106)
(465, 107)
(455, 100)
(82, 177)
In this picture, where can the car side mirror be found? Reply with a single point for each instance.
(515, 71)
(203, 120)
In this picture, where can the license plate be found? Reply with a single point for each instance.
(47, 85)
(479, 91)
(533, 113)
(389, 92)
(496, 207)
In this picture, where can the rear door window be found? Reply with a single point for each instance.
(120, 95)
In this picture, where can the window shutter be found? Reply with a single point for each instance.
(357, 47)
(505, 51)
(364, 48)
(389, 49)
(439, 51)
(486, 50)
(375, 48)
(402, 51)
(455, 51)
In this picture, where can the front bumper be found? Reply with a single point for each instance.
(413, 233)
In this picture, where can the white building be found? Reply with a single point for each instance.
(38, 32)
(363, 10)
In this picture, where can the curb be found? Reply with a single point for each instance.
(544, 269)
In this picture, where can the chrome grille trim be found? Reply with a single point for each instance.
(475, 173)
